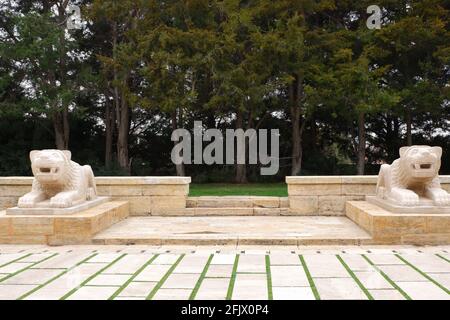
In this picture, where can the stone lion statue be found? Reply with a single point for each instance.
(413, 178)
(58, 181)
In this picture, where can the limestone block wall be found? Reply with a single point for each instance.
(327, 195)
(145, 194)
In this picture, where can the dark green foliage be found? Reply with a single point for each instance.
(227, 63)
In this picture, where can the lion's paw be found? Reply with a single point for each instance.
(57, 202)
(442, 199)
(26, 202)
(409, 199)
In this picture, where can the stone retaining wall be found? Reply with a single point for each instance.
(144, 194)
(308, 195)
(327, 195)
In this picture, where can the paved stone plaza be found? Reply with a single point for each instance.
(237, 273)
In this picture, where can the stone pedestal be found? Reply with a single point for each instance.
(400, 228)
(51, 229)
(44, 209)
(425, 206)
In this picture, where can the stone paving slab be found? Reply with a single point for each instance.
(86, 293)
(36, 257)
(292, 293)
(109, 280)
(250, 287)
(289, 276)
(423, 291)
(64, 260)
(284, 259)
(128, 264)
(5, 257)
(152, 273)
(12, 292)
(219, 271)
(402, 273)
(181, 281)
(223, 258)
(192, 264)
(442, 278)
(138, 289)
(428, 263)
(357, 263)
(214, 272)
(252, 263)
(325, 266)
(386, 294)
(32, 277)
(373, 280)
(213, 289)
(172, 294)
(129, 298)
(339, 289)
(234, 230)
(384, 259)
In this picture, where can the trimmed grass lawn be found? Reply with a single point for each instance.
(251, 189)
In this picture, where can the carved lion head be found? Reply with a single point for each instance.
(50, 166)
(421, 161)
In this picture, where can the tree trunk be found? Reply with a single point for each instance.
(109, 133)
(409, 141)
(61, 128)
(122, 111)
(180, 170)
(61, 118)
(241, 169)
(295, 94)
(179, 167)
(314, 133)
(123, 132)
(361, 143)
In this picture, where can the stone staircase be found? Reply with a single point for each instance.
(233, 220)
(236, 206)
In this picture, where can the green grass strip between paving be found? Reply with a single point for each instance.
(26, 268)
(15, 260)
(200, 279)
(232, 279)
(355, 278)
(442, 257)
(127, 283)
(385, 276)
(71, 292)
(269, 278)
(423, 273)
(55, 277)
(164, 278)
(310, 279)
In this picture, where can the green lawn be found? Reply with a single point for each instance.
(251, 189)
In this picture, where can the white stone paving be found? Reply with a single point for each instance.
(182, 272)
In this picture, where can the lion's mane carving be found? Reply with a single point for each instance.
(58, 181)
(412, 177)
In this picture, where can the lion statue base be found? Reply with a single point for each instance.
(411, 183)
(58, 181)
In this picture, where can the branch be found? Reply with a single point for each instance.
(261, 120)
(8, 31)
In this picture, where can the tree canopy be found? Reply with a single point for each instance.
(112, 90)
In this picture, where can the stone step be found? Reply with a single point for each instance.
(234, 230)
(237, 211)
(237, 202)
